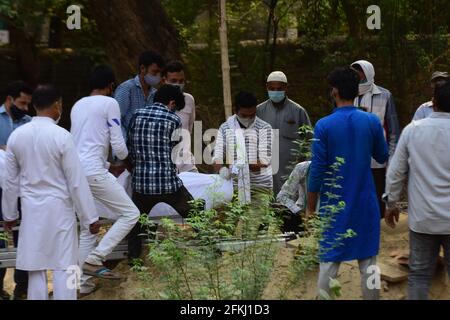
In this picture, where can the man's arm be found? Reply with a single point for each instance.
(393, 125)
(396, 177)
(380, 150)
(11, 187)
(219, 150)
(318, 169)
(78, 186)
(398, 170)
(118, 144)
(304, 118)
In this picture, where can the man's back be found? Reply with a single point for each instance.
(351, 134)
(150, 141)
(428, 148)
(40, 159)
(355, 136)
(96, 126)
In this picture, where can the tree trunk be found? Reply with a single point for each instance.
(353, 19)
(26, 52)
(225, 60)
(130, 27)
(273, 52)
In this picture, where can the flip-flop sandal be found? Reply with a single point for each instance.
(101, 273)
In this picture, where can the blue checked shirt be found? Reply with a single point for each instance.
(7, 125)
(130, 97)
(150, 145)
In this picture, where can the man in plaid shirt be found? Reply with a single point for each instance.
(151, 136)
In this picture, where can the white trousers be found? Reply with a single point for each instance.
(112, 195)
(64, 285)
(369, 277)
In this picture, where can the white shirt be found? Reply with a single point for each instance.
(96, 126)
(2, 167)
(186, 161)
(187, 115)
(43, 168)
(423, 156)
(424, 111)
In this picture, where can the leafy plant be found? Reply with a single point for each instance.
(220, 254)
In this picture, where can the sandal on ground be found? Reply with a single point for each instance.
(100, 272)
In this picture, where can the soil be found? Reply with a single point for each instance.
(391, 241)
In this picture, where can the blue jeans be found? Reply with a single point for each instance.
(424, 251)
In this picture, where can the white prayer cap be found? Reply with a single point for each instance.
(277, 76)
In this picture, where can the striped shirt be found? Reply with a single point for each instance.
(258, 142)
(151, 145)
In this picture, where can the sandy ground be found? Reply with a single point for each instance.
(391, 240)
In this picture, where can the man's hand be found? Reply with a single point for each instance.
(94, 228)
(392, 216)
(257, 167)
(117, 170)
(9, 225)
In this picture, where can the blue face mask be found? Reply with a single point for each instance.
(152, 80)
(277, 96)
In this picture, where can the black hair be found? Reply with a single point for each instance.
(102, 77)
(14, 89)
(147, 58)
(173, 66)
(357, 67)
(45, 96)
(168, 93)
(346, 81)
(245, 99)
(442, 97)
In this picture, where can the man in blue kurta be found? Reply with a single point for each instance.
(357, 137)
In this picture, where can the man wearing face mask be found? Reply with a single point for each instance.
(13, 114)
(174, 74)
(438, 78)
(43, 166)
(95, 128)
(151, 140)
(379, 101)
(244, 144)
(286, 116)
(138, 92)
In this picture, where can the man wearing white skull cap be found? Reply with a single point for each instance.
(284, 115)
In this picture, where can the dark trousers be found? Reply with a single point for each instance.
(379, 176)
(292, 222)
(178, 200)
(20, 277)
(424, 252)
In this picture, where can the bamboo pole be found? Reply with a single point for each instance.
(226, 79)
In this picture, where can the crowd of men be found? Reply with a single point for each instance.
(51, 177)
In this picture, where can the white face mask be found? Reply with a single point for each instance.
(246, 122)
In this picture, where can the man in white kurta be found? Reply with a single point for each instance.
(43, 169)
